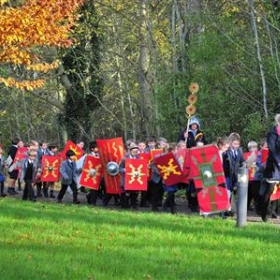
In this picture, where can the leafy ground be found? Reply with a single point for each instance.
(52, 241)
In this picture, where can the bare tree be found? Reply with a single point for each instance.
(251, 4)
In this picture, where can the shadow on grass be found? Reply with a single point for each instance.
(182, 224)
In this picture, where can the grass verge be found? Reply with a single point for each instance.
(51, 241)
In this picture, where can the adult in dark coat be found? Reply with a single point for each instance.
(272, 170)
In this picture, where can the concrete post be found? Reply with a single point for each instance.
(242, 196)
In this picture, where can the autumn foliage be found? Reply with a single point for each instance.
(29, 26)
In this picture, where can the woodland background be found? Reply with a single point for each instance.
(128, 72)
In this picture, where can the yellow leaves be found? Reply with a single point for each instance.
(23, 85)
(2, 2)
(235, 9)
(33, 24)
(3, 113)
(36, 22)
(230, 9)
(43, 67)
(16, 56)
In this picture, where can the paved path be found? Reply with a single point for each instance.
(182, 206)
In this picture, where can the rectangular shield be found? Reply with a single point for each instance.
(251, 159)
(136, 175)
(111, 150)
(276, 193)
(91, 172)
(50, 168)
(209, 179)
(21, 154)
(72, 146)
(169, 169)
(264, 155)
(184, 162)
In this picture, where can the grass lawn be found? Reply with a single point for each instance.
(53, 241)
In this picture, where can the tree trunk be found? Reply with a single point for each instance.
(82, 84)
(259, 56)
(146, 110)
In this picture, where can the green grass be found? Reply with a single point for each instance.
(51, 241)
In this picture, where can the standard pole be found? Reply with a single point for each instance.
(242, 196)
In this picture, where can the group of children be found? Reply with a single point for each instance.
(26, 171)
(231, 156)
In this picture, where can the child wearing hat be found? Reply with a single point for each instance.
(128, 198)
(192, 134)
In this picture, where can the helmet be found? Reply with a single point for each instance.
(193, 120)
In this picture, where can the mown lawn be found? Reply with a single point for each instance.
(51, 241)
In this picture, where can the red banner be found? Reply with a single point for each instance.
(136, 175)
(72, 146)
(91, 173)
(251, 158)
(169, 169)
(50, 168)
(111, 150)
(209, 179)
(276, 193)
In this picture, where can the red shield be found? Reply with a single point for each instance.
(183, 157)
(72, 146)
(21, 154)
(264, 155)
(251, 158)
(50, 166)
(91, 173)
(276, 193)
(209, 179)
(147, 157)
(169, 169)
(155, 152)
(136, 175)
(111, 150)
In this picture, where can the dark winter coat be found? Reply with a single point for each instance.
(272, 169)
(192, 139)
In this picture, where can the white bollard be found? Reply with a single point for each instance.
(242, 196)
